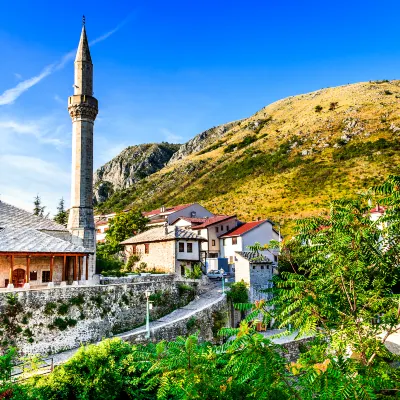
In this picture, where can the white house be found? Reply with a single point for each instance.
(170, 214)
(239, 238)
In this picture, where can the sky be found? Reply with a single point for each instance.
(166, 71)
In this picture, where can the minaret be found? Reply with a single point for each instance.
(83, 108)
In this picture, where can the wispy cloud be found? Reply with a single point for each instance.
(172, 137)
(10, 95)
(18, 77)
(44, 131)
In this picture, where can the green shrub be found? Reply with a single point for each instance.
(318, 108)
(49, 308)
(238, 293)
(196, 273)
(191, 323)
(63, 309)
(78, 300)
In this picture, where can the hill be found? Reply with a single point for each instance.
(288, 160)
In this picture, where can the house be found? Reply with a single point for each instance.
(170, 214)
(257, 271)
(156, 217)
(239, 238)
(167, 248)
(37, 251)
(211, 228)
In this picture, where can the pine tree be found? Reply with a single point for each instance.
(38, 208)
(61, 217)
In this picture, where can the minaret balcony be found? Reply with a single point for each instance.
(82, 106)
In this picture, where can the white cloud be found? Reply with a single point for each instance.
(171, 137)
(10, 95)
(18, 77)
(44, 130)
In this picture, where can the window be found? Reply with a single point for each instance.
(190, 247)
(33, 276)
(45, 276)
(146, 248)
(254, 267)
(262, 266)
(98, 230)
(193, 214)
(222, 228)
(181, 247)
(213, 242)
(234, 240)
(224, 241)
(227, 227)
(216, 229)
(134, 249)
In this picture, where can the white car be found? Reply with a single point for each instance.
(214, 274)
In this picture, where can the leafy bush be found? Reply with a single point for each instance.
(50, 308)
(196, 273)
(333, 106)
(318, 108)
(238, 293)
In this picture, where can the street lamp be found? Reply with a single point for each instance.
(223, 280)
(147, 293)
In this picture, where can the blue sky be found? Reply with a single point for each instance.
(165, 71)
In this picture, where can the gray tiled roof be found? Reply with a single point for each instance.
(15, 217)
(158, 234)
(20, 239)
(254, 258)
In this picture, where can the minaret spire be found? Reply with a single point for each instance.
(83, 108)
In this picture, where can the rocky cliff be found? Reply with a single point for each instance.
(131, 165)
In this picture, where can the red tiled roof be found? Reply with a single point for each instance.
(240, 230)
(212, 220)
(167, 210)
(192, 220)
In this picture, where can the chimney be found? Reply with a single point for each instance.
(162, 209)
(258, 218)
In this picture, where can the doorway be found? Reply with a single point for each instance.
(18, 277)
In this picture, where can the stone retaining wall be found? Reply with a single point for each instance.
(206, 322)
(52, 320)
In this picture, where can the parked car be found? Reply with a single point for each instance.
(214, 274)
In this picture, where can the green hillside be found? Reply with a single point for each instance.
(287, 160)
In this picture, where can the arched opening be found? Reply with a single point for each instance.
(18, 277)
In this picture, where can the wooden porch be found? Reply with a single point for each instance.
(75, 266)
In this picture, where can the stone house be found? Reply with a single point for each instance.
(257, 271)
(37, 251)
(211, 228)
(166, 248)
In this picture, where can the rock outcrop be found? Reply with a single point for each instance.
(203, 140)
(131, 165)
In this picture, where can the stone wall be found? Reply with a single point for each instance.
(206, 322)
(55, 319)
(291, 350)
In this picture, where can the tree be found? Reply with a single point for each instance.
(318, 108)
(122, 227)
(62, 216)
(38, 209)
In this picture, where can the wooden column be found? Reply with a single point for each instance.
(64, 269)
(51, 268)
(28, 268)
(11, 269)
(87, 267)
(79, 268)
(75, 268)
